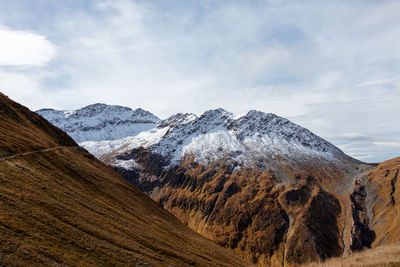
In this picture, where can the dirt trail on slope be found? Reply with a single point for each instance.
(6, 156)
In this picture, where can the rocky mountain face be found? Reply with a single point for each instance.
(60, 206)
(100, 121)
(270, 190)
(382, 202)
(246, 140)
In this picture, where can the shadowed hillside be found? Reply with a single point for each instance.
(60, 205)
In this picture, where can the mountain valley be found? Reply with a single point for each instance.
(266, 188)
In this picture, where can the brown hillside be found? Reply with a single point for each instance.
(384, 256)
(23, 131)
(61, 206)
(384, 203)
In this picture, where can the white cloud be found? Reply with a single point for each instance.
(12, 82)
(377, 82)
(22, 48)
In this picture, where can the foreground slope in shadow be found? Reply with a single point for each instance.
(60, 205)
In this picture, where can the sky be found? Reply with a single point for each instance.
(330, 66)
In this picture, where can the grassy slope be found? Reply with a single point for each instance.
(385, 209)
(382, 256)
(64, 206)
(22, 130)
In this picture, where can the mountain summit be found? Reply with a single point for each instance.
(100, 121)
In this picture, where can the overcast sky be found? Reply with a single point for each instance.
(330, 66)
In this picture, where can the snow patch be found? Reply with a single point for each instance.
(130, 164)
(143, 139)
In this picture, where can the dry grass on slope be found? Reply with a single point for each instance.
(384, 181)
(381, 256)
(66, 207)
(23, 131)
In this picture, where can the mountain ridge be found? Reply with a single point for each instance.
(100, 121)
(288, 131)
(277, 131)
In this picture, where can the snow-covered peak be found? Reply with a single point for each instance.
(219, 112)
(101, 122)
(113, 112)
(218, 134)
(276, 127)
(216, 116)
(177, 119)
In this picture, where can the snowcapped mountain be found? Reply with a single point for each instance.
(248, 182)
(101, 122)
(267, 188)
(220, 135)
